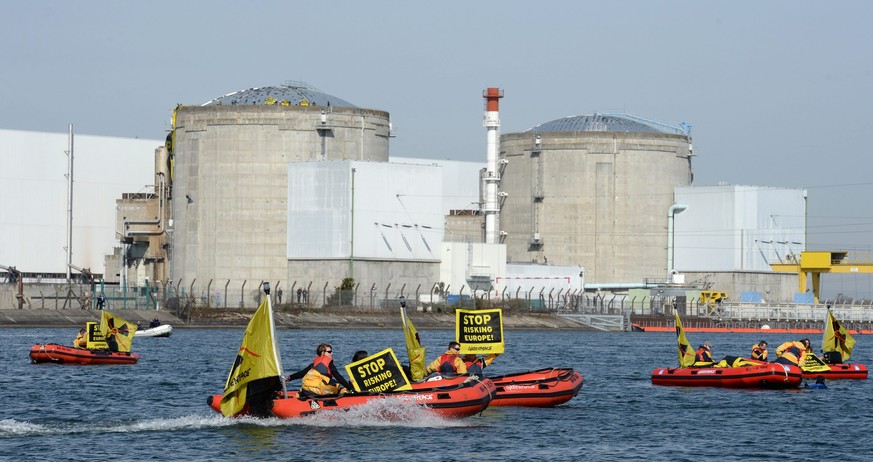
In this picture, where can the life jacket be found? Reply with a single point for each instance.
(475, 367)
(793, 352)
(447, 364)
(759, 353)
(319, 379)
(703, 357)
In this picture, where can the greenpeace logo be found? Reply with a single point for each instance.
(519, 387)
(485, 348)
(239, 378)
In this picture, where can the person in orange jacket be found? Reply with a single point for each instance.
(449, 363)
(792, 352)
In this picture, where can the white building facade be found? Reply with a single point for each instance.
(738, 228)
(34, 211)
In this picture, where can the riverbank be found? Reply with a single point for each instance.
(323, 319)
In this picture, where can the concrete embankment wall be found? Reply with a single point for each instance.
(288, 320)
(78, 318)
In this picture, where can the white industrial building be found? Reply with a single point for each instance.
(726, 237)
(738, 228)
(35, 210)
(357, 213)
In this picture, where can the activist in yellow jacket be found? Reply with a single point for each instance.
(759, 351)
(321, 377)
(449, 363)
(81, 340)
(792, 353)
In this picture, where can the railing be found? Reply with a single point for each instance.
(724, 314)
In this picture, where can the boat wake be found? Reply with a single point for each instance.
(12, 427)
(388, 412)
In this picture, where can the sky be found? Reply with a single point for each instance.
(778, 93)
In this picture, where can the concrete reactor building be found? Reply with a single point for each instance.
(595, 191)
(290, 184)
(231, 174)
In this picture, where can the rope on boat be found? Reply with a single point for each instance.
(48, 355)
(785, 371)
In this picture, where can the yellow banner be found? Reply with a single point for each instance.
(258, 358)
(95, 337)
(117, 332)
(479, 331)
(813, 363)
(837, 338)
(378, 373)
(686, 352)
(414, 350)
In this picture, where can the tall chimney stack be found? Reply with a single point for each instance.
(492, 125)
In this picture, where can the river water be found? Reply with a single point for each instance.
(156, 409)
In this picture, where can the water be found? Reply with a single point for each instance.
(156, 409)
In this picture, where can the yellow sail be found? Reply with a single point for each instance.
(686, 352)
(117, 332)
(258, 358)
(413, 348)
(837, 338)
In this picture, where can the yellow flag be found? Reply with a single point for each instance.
(837, 338)
(117, 332)
(413, 348)
(686, 353)
(258, 358)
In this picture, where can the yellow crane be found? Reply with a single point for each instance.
(818, 262)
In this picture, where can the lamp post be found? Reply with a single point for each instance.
(674, 209)
(805, 222)
(352, 231)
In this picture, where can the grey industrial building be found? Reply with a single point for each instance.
(593, 190)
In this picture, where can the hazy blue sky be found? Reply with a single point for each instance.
(779, 93)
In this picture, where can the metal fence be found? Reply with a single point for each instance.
(247, 294)
(181, 299)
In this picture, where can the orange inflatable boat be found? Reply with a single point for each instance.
(62, 354)
(540, 388)
(767, 375)
(452, 399)
(840, 371)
